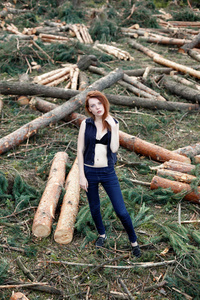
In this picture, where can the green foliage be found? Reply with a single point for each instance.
(3, 184)
(3, 270)
(142, 15)
(68, 14)
(23, 193)
(106, 31)
(185, 14)
(141, 217)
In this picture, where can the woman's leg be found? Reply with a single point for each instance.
(94, 202)
(111, 185)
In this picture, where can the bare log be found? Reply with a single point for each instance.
(190, 45)
(194, 54)
(155, 152)
(190, 151)
(164, 40)
(161, 60)
(1, 105)
(186, 82)
(184, 23)
(197, 159)
(119, 53)
(127, 141)
(179, 166)
(18, 296)
(83, 81)
(45, 212)
(18, 136)
(181, 90)
(176, 187)
(65, 227)
(178, 176)
(140, 72)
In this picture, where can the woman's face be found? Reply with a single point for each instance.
(96, 107)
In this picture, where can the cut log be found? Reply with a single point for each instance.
(152, 151)
(164, 40)
(46, 209)
(119, 53)
(176, 187)
(161, 60)
(65, 227)
(1, 105)
(194, 54)
(178, 176)
(83, 81)
(180, 89)
(127, 141)
(140, 72)
(29, 129)
(186, 82)
(18, 296)
(184, 23)
(51, 76)
(190, 45)
(141, 90)
(179, 166)
(197, 159)
(190, 151)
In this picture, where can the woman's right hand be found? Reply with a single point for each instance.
(84, 183)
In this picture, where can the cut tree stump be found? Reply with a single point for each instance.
(176, 187)
(46, 209)
(65, 227)
(29, 129)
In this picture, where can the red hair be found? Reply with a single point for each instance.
(101, 97)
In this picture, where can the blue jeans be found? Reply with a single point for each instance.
(108, 179)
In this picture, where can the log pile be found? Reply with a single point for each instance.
(181, 177)
(112, 50)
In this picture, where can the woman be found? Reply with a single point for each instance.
(98, 143)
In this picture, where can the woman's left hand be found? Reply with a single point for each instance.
(110, 120)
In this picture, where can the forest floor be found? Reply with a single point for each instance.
(71, 268)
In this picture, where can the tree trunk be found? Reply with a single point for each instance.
(126, 140)
(181, 90)
(18, 296)
(164, 40)
(140, 72)
(190, 151)
(83, 81)
(176, 187)
(190, 45)
(29, 129)
(46, 209)
(178, 176)
(132, 85)
(161, 60)
(179, 166)
(197, 159)
(194, 54)
(152, 151)
(65, 227)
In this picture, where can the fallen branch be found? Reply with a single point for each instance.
(126, 289)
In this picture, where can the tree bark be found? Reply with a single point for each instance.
(83, 81)
(45, 212)
(164, 40)
(190, 45)
(179, 166)
(18, 296)
(29, 129)
(194, 54)
(176, 187)
(161, 60)
(181, 90)
(178, 176)
(190, 151)
(126, 140)
(65, 227)
(152, 151)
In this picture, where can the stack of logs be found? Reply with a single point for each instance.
(181, 174)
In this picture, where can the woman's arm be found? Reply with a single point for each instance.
(114, 144)
(80, 151)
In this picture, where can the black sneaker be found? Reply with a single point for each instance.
(136, 251)
(100, 241)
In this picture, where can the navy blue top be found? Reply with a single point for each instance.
(90, 142)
